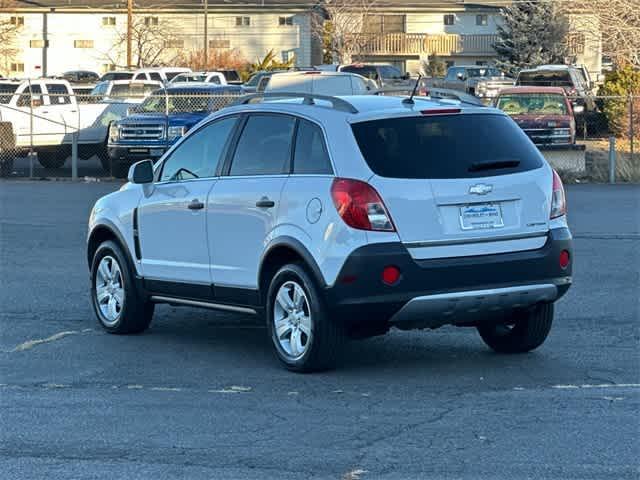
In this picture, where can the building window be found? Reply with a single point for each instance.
(83, 43)
(482, 20)
(575, 43)
(243, 21)
(151, 21)
(108, 21)
(37, 43)
(17, 21)
(17, 67)
(282, 21)
(384, 24)
(220, 43)
(449, 19)
(176, 43)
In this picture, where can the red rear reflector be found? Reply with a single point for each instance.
(440, 111)
(564, 259)
(390, 275)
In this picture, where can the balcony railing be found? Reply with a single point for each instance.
(421, 43)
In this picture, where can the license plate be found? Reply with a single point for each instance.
(157, 152)
(481, 216)
(138, 150)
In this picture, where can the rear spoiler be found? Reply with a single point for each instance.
(436, 93)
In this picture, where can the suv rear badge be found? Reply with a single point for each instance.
(480, 189)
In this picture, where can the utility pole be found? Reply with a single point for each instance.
(206, 34)
(129, 28)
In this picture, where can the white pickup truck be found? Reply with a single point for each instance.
(45, 115)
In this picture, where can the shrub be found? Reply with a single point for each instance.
(624, 84)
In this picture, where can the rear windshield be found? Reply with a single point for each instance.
(445, 146)
(132, 90)
(546, 79)
(533, 103)
(6, 92)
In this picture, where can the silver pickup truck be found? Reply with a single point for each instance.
(483, 82)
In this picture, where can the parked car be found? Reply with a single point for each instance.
(574, 80)
(337, 218)
(128, 91)
(148, 131)
(232, 76)
(7, 146)
(544, 113)
(80, 76)
(45, 115)
(384, 75)
(483, 82)
(317, 82)
(258, 81)
(200, 77)
(117, 75)
(159, 74)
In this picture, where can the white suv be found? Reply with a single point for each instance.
(338, 218)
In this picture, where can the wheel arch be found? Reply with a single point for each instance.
(102, 233)
(283, 250)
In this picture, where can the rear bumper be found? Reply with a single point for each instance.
(431, 293)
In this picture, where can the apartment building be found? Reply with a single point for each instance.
(87, 34)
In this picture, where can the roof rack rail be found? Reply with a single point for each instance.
(436, 93)
(307, 99)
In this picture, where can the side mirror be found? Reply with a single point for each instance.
(141, 172)
(461, 77)
(406, 76)
(578, 108)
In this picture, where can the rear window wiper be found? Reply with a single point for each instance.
(493, 165)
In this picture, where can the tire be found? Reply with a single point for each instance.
(120, 169)
(528, 330)
(6, 163)
(320, 339)
(53, 158)
(132, 312)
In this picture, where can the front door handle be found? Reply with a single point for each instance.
(196, 205)
(264, 202)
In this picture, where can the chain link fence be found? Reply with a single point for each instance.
(54, 135)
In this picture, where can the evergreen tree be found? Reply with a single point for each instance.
(532, 33)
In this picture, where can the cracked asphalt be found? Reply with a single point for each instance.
(201, 395)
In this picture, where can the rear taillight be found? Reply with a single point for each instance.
(360, 206)
(558, 199)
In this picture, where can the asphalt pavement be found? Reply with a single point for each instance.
(201, 395)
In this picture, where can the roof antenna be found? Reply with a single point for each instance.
(409, 101)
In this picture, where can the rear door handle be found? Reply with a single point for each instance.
(264, 202)
(196, 205)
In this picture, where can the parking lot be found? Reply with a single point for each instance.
(201, 395)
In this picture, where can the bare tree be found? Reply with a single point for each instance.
(152, 41)
(341, 28)
(8, 35)
(618, 22)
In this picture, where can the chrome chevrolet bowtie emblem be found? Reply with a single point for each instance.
(480, 189)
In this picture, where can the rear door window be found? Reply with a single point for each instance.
(446, 146)
(58, 94)
(311, 155)
(155, 76)
(264, 147)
